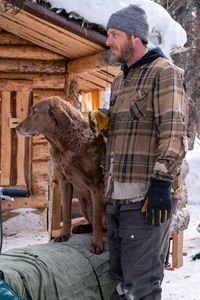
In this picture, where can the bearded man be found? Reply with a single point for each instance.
(146, 142)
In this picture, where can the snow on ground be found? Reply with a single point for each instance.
(28, 228)
(184, 283)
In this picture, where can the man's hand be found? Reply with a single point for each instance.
(99, 121)
(158, 202)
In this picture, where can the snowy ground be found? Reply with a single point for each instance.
(184, 283)
(28, 228)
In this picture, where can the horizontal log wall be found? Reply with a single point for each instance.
(13, 65)
(45, 72)
(28, 52)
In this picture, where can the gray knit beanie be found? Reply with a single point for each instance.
(131, 19)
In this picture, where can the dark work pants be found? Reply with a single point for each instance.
(137, 250)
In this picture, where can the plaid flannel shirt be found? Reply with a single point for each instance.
(147, 132)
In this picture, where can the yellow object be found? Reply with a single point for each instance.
(144, 210)
(99, 120)
(144, 207)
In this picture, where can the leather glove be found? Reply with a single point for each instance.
(158, 202)
(99, 121)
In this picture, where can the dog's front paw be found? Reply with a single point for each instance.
(96, 248)
(63, 237)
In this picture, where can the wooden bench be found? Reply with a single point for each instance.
(177, 249)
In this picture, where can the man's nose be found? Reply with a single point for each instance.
(108, 41)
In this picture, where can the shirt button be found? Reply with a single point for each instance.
(132, 236)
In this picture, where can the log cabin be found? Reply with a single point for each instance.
(42, 54)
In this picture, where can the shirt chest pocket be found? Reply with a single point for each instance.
(138, 105)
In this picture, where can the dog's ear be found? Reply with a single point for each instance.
(60, 116)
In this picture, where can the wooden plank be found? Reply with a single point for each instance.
(39, 81)
(17, 76)
(54, 213)
(177, 249)
(95, 95)
(14, 140)
(5, 140)
(0, 129)
(17, 147)
(86, 103)
(13, 122)
(105, 75)
(39, 95)
(40, 177)
(28, 52)
(40, 152)
(91, 100)
(30, 66)
(95, 79)
(86, 85)
(56, 82)
(39, 139)
(34, 201)
(88, 64)
(15, 85)
(113, 70)
(46, 35)
(22, 111)
(72, 90)
(41, 168)
(11, 39)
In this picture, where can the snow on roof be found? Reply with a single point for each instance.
(165, 32)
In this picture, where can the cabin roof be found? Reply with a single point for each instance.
(67, 35)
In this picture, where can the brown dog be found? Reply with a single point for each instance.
(77, 155)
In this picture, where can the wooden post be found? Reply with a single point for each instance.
(95, 99)
(91, 101)
(177, 249)
(91, 63)
(71, 89)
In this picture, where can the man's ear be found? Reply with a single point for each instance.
(60, 116)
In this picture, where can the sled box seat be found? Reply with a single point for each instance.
(66, 270)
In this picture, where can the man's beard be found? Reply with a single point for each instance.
(126, 53)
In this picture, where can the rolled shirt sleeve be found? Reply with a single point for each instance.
(169, 116)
